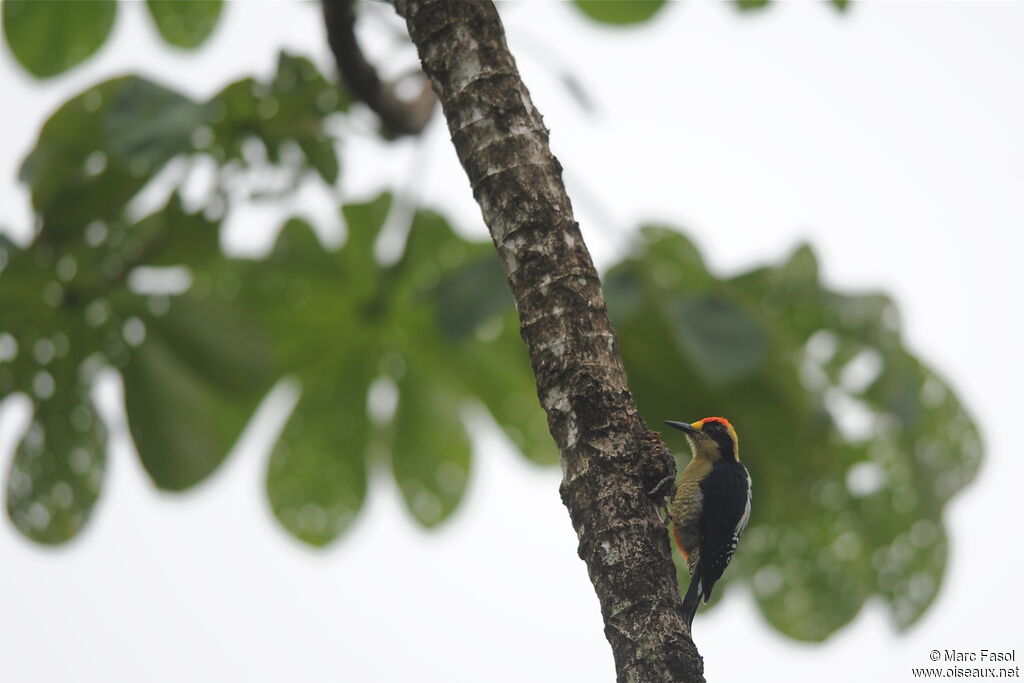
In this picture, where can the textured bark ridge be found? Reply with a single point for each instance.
(609, 458)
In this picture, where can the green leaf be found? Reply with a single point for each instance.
(807, 593)
(321, 156)
(364, 222)
(312, 301)
(41, 321)
(100, 148)
(190, 388)
(316, 478)
(69, 172)
(289, 110)
(620, 12)
(722, 341)
(48, 38)
(185, 24)
(303, 93)
(430, 453)
(841, 5)
(912, 570)
(146, 124)
(339, 318)
(318, 305)
(172, 237)
(57, 470)
(752, 4)
(472, 296)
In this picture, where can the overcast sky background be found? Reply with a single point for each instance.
(889, 138)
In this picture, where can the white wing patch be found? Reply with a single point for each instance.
(742, 524)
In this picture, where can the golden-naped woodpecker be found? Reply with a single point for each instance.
(710, 507)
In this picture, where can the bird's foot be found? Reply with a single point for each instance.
(654, 493)
(659, 494)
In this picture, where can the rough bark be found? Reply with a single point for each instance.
(397, 116)
(609, 457)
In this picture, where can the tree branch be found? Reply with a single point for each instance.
(397, 116)
(609, 458)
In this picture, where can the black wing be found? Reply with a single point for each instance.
(724, 516)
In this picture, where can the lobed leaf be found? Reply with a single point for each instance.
(195, 365)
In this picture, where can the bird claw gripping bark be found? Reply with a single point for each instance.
(661, 493)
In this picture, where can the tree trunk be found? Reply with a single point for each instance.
(609, 457)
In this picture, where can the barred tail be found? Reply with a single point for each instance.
(692, 599)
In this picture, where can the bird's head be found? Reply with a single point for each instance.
(712, 437)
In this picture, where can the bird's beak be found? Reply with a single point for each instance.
(682, 426)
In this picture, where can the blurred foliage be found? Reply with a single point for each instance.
(48, 38)
(620, 12)
(636, 12)
(184, 24)
(341, 323)
(854, 444)
(195, 363)
(194, 366)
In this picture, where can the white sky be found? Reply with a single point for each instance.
(890, 138)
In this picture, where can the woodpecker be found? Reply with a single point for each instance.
(710, 507)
